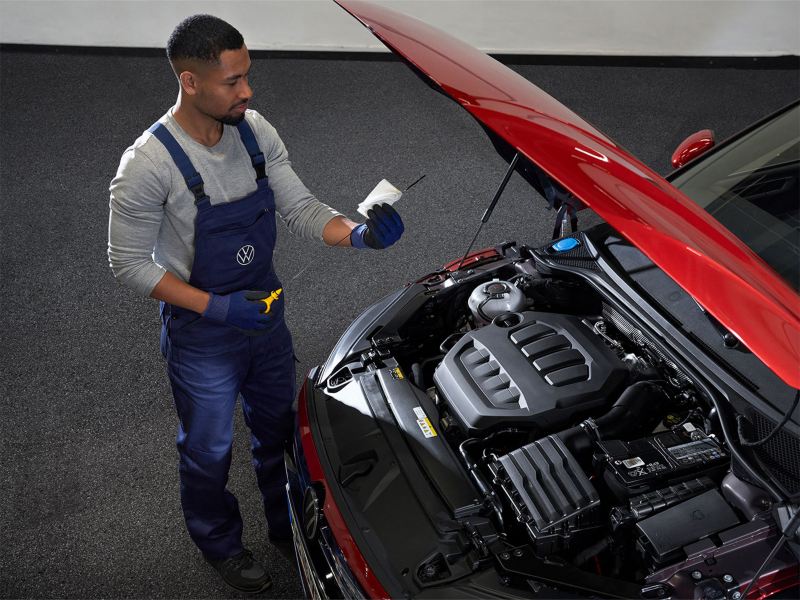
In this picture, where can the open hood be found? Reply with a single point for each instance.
(727, 278)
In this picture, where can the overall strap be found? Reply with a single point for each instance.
(193, 180)
(250, 143)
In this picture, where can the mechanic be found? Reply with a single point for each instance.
(192, 224)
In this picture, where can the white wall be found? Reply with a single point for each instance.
(632, 27)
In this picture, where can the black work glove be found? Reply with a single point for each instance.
(382, 229)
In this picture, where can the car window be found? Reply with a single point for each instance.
(752, 186)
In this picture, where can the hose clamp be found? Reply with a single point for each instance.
(590, 428)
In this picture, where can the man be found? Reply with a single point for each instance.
(192, 224)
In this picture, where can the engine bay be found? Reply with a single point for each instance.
(596, 462)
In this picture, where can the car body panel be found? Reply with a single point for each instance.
(725, 276)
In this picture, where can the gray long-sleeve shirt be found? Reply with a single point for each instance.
(152, 212)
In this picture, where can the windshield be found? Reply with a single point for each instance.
(751, 186)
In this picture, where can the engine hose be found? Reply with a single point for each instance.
(636, 410)
(416, 374)
(488, 494)
(482, 314)
(418, 369)
(591, 551)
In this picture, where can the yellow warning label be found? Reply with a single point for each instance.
(427, 428)
(397, 373)
(424, 423)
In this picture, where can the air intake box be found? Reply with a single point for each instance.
(548, 492)
(539, 369)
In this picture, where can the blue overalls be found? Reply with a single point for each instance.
(210, 363)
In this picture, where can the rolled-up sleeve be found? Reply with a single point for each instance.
(136, 209)
(303, 214)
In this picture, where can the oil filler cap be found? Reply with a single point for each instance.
(565, 245)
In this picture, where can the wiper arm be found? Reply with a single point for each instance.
(728, 339)
(488, 212)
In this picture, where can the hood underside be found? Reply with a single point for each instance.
(727, 278)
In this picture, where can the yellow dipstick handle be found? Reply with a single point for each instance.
(271, 298)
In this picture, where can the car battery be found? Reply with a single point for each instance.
(639, 466)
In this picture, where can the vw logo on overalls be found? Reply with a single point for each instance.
(245, 255)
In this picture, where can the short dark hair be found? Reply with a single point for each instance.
(203, 38)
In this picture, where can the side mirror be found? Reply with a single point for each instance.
(692, 147)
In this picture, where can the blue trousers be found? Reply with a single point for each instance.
(209, 366)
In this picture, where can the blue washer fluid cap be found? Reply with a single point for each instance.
(566, 244)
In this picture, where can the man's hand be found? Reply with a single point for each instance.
(243, 310)
(382, 229)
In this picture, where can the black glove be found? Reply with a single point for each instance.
(382, 229)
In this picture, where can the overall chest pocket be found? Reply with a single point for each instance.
(223, 228)
(234, 244)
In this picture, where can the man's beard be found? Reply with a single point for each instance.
(231, 120)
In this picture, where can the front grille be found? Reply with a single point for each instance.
(781, 454)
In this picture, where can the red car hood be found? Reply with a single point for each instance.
(728, 279)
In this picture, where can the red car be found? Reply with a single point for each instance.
(611, 413)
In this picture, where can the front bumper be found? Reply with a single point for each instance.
(313, 585)
(322, 567)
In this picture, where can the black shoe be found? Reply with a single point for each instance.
(242, 572)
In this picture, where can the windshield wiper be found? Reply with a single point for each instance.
(488, 212)
(728, 339)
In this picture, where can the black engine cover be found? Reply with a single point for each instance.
(531, 368)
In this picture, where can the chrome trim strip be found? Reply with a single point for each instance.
(345, 579)
(312, 586)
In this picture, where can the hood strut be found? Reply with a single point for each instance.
(488, 212)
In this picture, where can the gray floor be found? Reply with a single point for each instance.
(89, 498)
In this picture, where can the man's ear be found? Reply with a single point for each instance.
(188, 82)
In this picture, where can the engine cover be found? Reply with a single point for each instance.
(530, 368)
